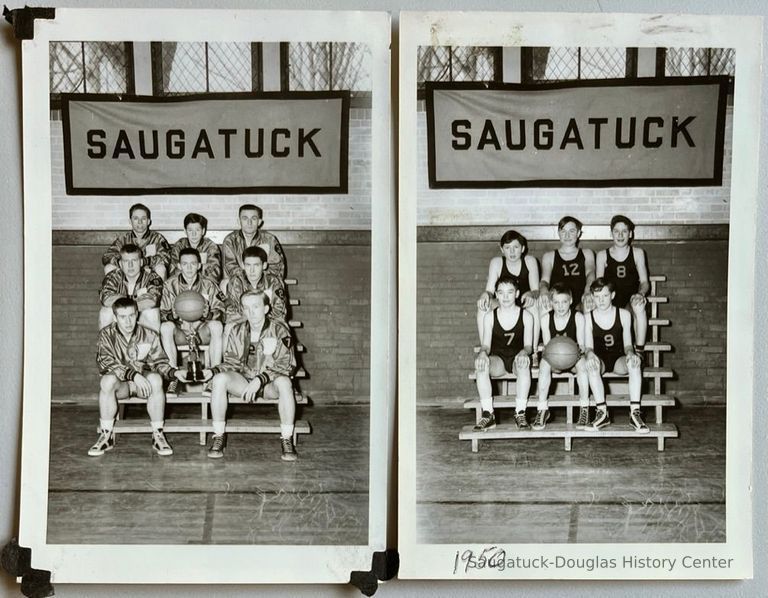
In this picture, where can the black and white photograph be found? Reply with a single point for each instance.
(572, 253)
(218, 344)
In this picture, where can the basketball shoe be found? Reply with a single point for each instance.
(287, 450)
(602, 418)
(542, 417)
(216, 450)
(636, 421)
(520, 421)
(486, 422)
(106, 442)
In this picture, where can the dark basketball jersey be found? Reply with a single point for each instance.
(523, 280)
(507, 343)
(626, 280)
(571, 273)
(569, 330)
(609, 344)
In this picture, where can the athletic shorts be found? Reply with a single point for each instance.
(610, 360)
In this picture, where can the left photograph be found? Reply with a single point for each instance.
(212, 291)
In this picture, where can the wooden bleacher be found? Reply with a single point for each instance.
(570, 401)
(194, 395)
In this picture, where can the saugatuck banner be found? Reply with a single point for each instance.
(644, 132)
(219, 143)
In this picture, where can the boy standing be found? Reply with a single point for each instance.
(258, 360)
(506, 348)
(570, 265)
(195, 227)
(207, 330)
(609, 349)
(624, 265)
(131, 362)
(562, 321)
(249, 235)
(156, 253)
(131, 280)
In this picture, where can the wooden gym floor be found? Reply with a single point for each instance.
(605, 490)
(130, 495)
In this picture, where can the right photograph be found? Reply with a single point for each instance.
(572, 245)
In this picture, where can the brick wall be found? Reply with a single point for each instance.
(350, 211)
(680, 205)
(334, 290)
(452, 275)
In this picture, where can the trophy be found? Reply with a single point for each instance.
(194, 365)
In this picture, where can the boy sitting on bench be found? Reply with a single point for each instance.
(258, 360)
(562, 321)
(608, 340)
(506, 348)
(131, 363)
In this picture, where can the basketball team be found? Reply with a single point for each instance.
(584, 309)
(156, 297)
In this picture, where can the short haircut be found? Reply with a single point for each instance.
(139, 206)
(131, 248)
(623, 219)
(600, 284)
(560, 288)
(262, 294)
(122, 302)
(566, 219)
(255, 251)
(513, 280)
(249, 206)
(513, 235)
(190, 251)
(196, 219)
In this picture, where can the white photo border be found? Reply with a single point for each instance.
(215, 563)
(744, 34)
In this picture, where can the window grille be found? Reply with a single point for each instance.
(90, 67)
(206, 67)
(458, 63)
(545, 65)
(326, 66)
(691, 62)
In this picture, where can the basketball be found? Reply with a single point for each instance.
(561, 353)
(189, 305)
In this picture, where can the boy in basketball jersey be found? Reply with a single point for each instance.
(195, 227)
(134, 281)
(250, 235)
(131, 363)
(156, 253)
(258, 360)
(608, 339)
(562, 321)
(568, 264)
(207, 330)
(625, 266)
(506, 348)
(513, 261)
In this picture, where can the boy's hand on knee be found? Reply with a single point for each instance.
(143, 387)
(587, 302)
(180, 375)
(593, 362)
(522, 360)
(633, 360)
(481, 362)
(638, 301)
(251, 390)
(207, 374)
(484, 303)
(528, 301)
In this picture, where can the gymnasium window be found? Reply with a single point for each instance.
(693, 62)
(90, 67)
(327, 66)
(457, 63)
(205, 67)
(547, 65)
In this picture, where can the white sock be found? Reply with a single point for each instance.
(107, 424)
(286, 430)
(487, 404)
(542, 404)
(521, 404)
(157, 425)
(219, 427)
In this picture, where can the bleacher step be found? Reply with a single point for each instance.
(235, 425)
(505, 401)
(562, 430)
(647, 373)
